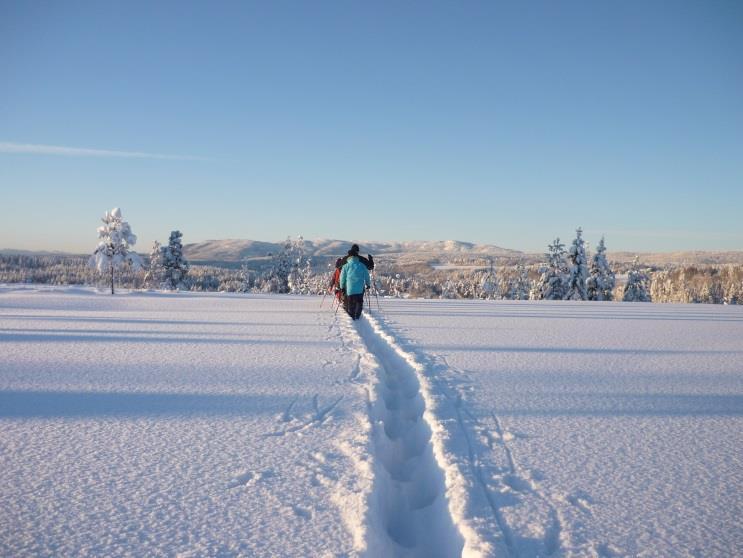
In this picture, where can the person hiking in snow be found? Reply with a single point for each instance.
(368, 261)
(354, 281)
(335, 281)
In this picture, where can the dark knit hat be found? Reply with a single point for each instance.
(354, 249)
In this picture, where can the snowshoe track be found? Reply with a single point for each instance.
(409, 499)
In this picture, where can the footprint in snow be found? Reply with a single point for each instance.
(242, 479)
(249, 477)
(608, 550)
(581, 500)
(300, 511)
(537, 475)
(517, 483)
(319, 457)
(322, 473)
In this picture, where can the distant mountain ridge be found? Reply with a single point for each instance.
(236, 249)
(233, 251)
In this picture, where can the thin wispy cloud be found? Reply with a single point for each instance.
(40, 149)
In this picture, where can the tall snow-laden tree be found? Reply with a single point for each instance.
(247, 279)
(286, 272)
(175, 265)
(115, 240)
(300, 273)
(519, 285)
(637, 288)
(489, 283)
(578, 271)
(449, 289)
(154, 276)
(734, 294)
(601, 282)
(553, 281)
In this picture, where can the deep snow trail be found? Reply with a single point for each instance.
(449, 483)
(416, 489)
(411, 490)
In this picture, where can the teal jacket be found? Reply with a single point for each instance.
(354, 277)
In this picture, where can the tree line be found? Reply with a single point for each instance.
(565, 274)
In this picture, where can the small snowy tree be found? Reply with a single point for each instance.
(115, 239)
(600, 284)
(247, 280)
(553, 281)
(300, 274)
(489, 283)
(154, 276)
(535, 291)
(289, 269)
(449, 289)
(175, 266)
(519, 286)
(578, 272)
(300, 277)
(637, 288)
(733, 293)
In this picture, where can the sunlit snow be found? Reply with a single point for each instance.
(187, 424)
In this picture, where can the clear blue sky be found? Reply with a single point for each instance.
(495, 122)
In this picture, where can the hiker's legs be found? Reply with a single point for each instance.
(359, 307)
(350, 304)
(355, 304)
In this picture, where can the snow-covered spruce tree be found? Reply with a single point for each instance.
(601, 282)
(300, 277)
(115, 239)
(284, 274)
(247, 280)
(578, 271)
(535, 291)
(449, 289)
(489, 284)
(732, 277)
(734, 294)
(553, 281)
(154, 276)
(175, 266)
(637, 288)
(519, 285)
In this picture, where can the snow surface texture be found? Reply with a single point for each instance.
(244, 425)
(141, 425)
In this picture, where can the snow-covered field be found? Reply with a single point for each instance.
(151, 424)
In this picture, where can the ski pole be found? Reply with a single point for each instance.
(376, 290)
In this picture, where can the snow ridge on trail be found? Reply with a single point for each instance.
(416, 508)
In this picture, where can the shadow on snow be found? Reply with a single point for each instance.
(76, 404)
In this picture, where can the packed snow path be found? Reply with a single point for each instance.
(409, 498)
